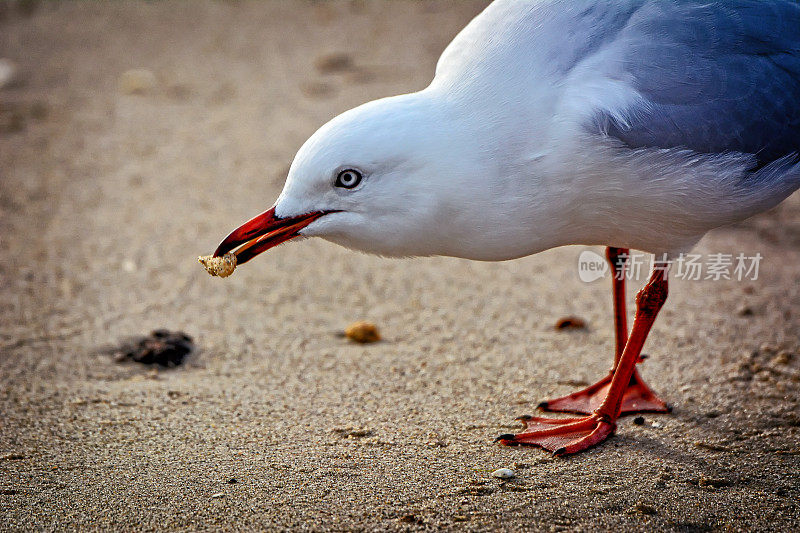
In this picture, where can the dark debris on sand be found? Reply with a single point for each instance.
(162, 347)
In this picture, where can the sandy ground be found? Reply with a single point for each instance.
(106, 199)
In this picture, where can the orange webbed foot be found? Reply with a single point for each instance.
(562, 436)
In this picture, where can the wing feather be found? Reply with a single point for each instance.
(713, 77)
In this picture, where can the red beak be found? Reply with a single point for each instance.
(262, 233)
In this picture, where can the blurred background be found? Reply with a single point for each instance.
(135, 135)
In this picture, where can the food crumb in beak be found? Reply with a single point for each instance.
(219, 266)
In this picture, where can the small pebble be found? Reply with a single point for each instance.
(714, 483)
(362, 332)
(745, 311)
(410, 519)
(641, 508)
(335, 62)
(571, 322)
(639, 420)
(711, 446)
(503, 473)
(657, 425)
(218, 495)
(232, 481)
(11, 457)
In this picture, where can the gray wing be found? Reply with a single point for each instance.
(715, 76)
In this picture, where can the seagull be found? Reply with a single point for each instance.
(630, 124)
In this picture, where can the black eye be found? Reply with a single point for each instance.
(348, 179)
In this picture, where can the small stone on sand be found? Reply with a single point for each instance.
(503, 473)
(644, 509)
(363, 332)
(11, 457)
(410, 519)
(571, 322)
(334, 62)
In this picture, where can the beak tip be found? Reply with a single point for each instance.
(261, 233)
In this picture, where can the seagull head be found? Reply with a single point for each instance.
(377, 178)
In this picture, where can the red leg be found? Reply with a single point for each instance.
(638, 397)
(564, 436)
